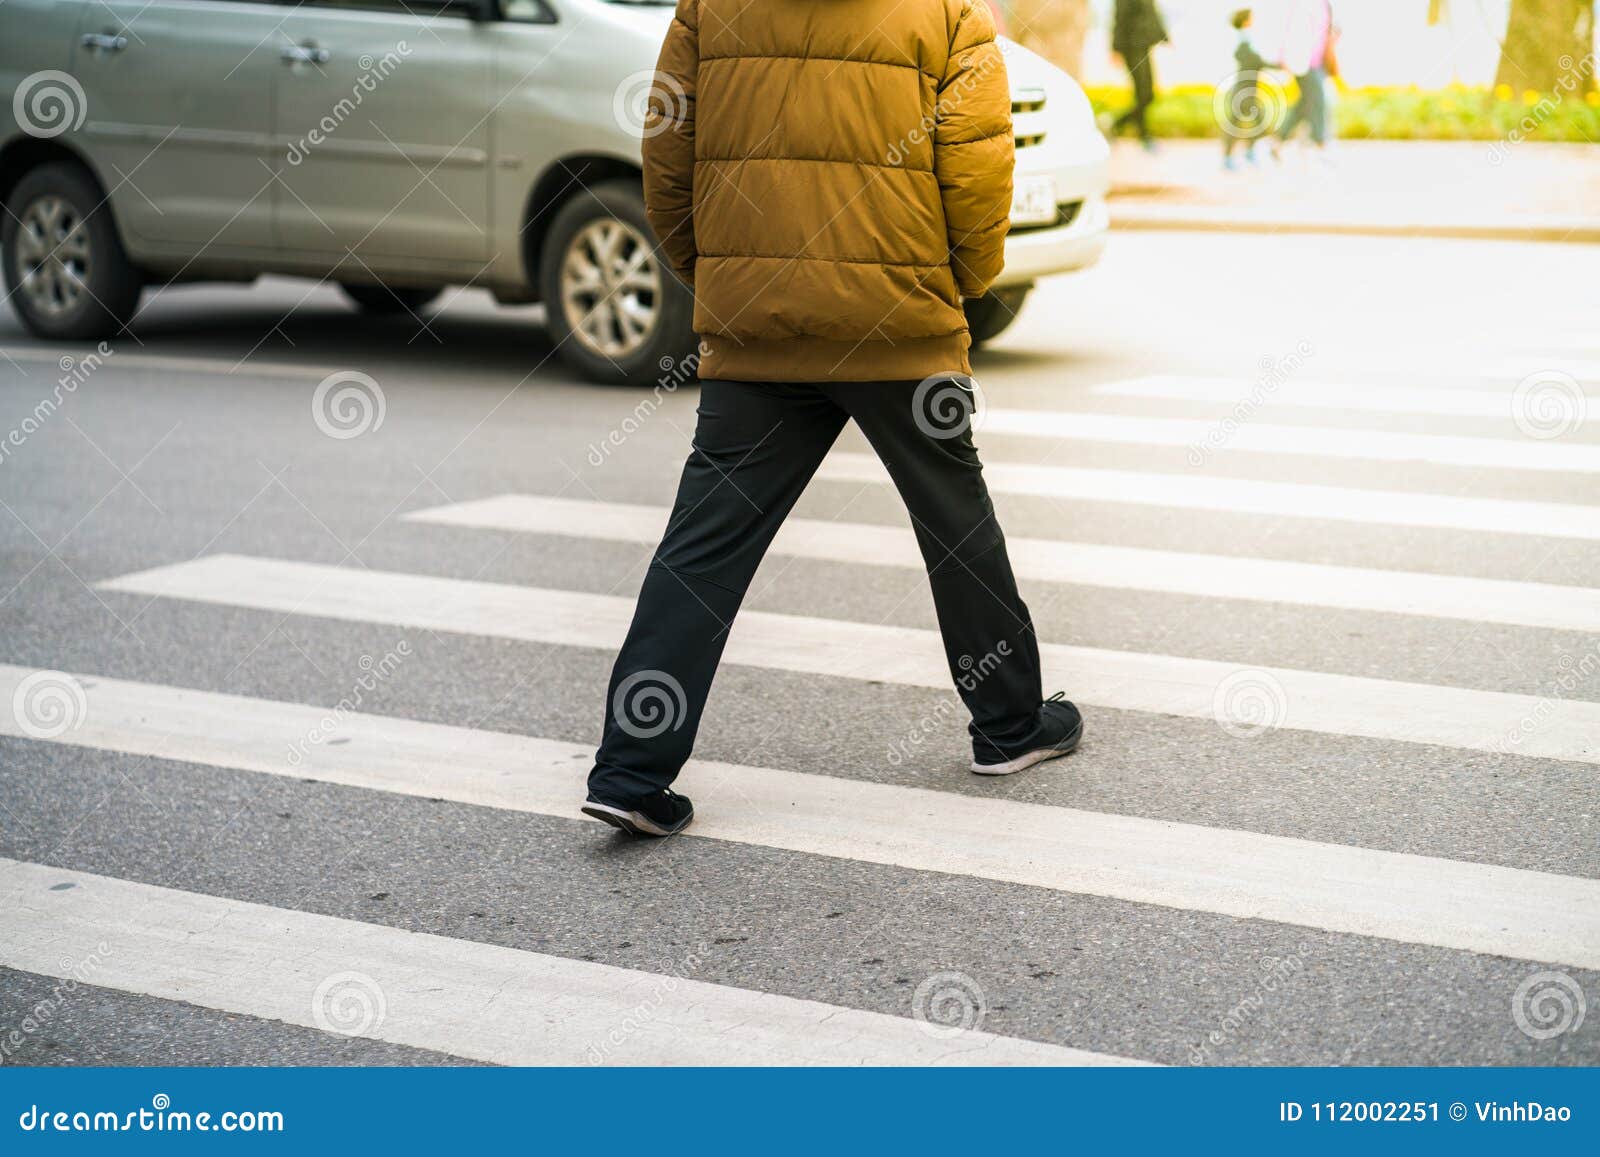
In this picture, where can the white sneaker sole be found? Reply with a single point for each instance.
(634, 823)
(1023, 762)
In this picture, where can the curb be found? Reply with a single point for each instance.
(1583, 230)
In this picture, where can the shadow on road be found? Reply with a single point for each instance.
(462, 334)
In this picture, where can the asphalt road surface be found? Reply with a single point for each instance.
(294, 720)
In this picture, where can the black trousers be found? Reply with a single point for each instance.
(1143, 73)
(756, 447)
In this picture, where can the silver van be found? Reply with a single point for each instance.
(398, 147)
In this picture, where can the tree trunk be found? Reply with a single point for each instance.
(1549, 46)
(1053, 28)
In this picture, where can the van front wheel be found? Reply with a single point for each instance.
(616, 312)
(66, 272)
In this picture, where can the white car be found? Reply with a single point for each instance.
(1058, 208)
(397, 147)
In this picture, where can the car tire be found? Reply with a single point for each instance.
(989, 316)
(645, 329)
(384, 300)
(66, 272)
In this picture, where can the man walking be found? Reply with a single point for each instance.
(1308, 52)
(1136, 29)
(831, 180)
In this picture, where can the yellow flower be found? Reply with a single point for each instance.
(1447, 105)
(1530, 97)
(1592, 100)
(1502, 92)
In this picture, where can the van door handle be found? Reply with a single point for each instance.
(304, 54)
(103, 42)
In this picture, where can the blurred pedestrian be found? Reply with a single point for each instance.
(1308, 52)
(1135, 31)
(828, 282)
(1244, 115)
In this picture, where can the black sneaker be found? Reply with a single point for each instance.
(663, 814)
(1060, 727)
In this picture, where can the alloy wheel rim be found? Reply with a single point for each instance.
(53, 255)
(611, 287)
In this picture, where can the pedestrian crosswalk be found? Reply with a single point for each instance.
(466, 999)
(1416, 899)
(1525, 604)
(1355, 397)
(1127, 680)
(485, 1001)
(1277, 499)
(1271, 438)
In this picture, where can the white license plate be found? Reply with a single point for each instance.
(1033, 201)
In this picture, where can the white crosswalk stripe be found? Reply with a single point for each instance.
(1268, 438)
(1246, 496)
(1172, 685)
(211, 367)
(1416, 899)
(1452, 402)
(461, 997)
(1513, 369)
(1084, 563)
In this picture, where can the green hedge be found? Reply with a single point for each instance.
(1456, 113)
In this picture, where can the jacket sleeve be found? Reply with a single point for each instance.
(973, 150)
(669, 141)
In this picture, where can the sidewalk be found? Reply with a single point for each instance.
(1476, 189)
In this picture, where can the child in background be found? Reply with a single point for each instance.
(1244, 118)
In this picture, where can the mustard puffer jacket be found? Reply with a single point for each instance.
(831, 177)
